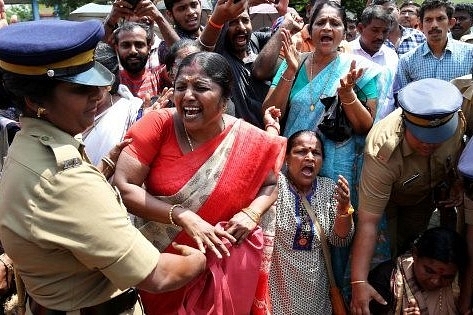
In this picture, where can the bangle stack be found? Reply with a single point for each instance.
(272, 124)
(215, 25)
(108, 161)
(170, 213)
(254, 216)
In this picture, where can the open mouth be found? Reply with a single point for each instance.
(191, 112)
(240, 39)
(326, 39)
(308, 170)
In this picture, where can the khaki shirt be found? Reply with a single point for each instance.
(393, 174)
(64, 226)
(465, 85)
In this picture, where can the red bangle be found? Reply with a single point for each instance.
(215, 25)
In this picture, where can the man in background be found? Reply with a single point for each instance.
(464, 22)
(409, 14)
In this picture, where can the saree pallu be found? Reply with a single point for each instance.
(229, 177)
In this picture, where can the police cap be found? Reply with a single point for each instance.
(430, 109)
(59, 49)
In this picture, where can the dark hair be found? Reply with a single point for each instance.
(107, 57)
(375, 12)
(215, 66)
(129, 26)
(435, 4)
(292, 139)
(468, 7)
(442, 244)
(176, 47)
(410, 2)
(319, 7)
(381, 2)
(37, 88)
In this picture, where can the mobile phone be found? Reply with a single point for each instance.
(133, 2)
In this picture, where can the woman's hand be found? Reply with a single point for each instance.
(271, 120)
(412, 308)
(204, 234)
(342, 195)
(240, 226)
(345, 90)
(161, 102)
(290, 52)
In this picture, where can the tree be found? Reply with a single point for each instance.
(23, 12)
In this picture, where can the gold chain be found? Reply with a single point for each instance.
(189, 138)
(312, 100)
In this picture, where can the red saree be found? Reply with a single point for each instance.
(252, 155)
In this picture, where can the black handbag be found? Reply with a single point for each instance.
(335, 124)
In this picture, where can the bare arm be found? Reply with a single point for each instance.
(174, 271)
(362, 252)
(246, 220)
(264, 67)
(145, 8)
(129, 178)
(224, 11)
(279, 95)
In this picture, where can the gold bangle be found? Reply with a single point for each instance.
(288, 80)
(349, 212)
(252, 214)
(358, 281)
(109, 162)
(170, 213)
(351, 103)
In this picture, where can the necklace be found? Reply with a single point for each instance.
(313, 100)
(189, 138)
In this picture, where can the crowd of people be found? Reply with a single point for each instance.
(157, 163)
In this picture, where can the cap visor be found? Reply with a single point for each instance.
(434, 134)
(98, 75)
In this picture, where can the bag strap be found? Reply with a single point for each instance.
(323, 240)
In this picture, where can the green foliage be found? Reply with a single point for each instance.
(355, 6)
(23, 12)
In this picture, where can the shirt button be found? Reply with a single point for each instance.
(45, 138)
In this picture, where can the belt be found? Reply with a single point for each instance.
(114, 306)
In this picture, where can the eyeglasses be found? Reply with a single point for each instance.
(408, 12)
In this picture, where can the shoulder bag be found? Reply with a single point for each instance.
(338, 304)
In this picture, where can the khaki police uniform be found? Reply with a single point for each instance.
(465, 85)
(64, 226)
(399, 182)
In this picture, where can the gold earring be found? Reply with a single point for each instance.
(40, 111)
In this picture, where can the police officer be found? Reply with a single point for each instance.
(61, 223)
(407, 154)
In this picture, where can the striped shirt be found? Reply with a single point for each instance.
(150, 82)
(420, 63)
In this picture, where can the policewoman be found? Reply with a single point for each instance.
(62, 224)
(408, 155)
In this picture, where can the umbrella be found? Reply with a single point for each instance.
(90, 11)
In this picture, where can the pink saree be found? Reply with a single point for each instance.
(223, 177)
